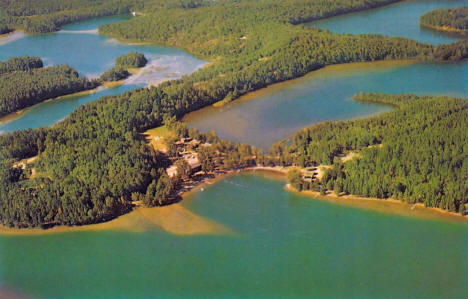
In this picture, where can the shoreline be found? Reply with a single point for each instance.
(444, 28)
(17, 114)
(134, 223)
(417, 210)
(8, 33)
(341, 69)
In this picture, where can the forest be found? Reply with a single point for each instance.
(114, 74)
(20, 64)
(446, 19)
(122, 64)
(131, 60)
(41, 16)
(404, 154)
(31, 84)
(92, 164)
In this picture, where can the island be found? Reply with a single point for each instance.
(452, 19)
(25, 82)
(32, 84)
(124, 66)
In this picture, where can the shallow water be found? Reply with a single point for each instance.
(285, 245)
(80, 46)
(274, 113)
(282, 245)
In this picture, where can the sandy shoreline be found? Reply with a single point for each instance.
(178, 220)
(388, 206)
(444, 28)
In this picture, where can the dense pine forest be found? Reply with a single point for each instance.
(131, 60)
(114, 74)
(92, 164)
(405, 154)
(122, 64)
(20, 64)
(43, 16)
(447, 19)
(31, 84)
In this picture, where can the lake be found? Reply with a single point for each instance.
(80, 46)
(269, 115)
(280, 245)
(248, 237)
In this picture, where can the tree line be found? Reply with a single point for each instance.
(20, 64)
(92, 164)
(405, 154)
(452, 18)
(43, 16)
(24, 88)
(122, 64)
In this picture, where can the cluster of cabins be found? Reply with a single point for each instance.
(189, 154)
(310, 174)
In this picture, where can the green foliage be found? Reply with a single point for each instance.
(159, 191)
(94, 163)
(4, 28)
(206, 160)
(454, 51)
(418, 161)
(49, 15)
(20, 89)
(131, 60)
(114, 74)
(183, 169)
(452, 18)
(20, 64)
(295, 179)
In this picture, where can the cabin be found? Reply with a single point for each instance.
(192, 160)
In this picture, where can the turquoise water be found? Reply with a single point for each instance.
(400, 19)
(80, 46)
(285, 246)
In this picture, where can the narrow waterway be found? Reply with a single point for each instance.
(80, 46)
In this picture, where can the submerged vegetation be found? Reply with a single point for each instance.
(452, 19)
(91, 166)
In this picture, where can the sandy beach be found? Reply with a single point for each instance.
(178, 220)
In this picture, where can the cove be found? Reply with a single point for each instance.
(286, 245)
(269, 115)
(272, 114)
(399, 19)
(80, 46)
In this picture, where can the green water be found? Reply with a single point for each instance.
(285, 246)
(80, 46)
